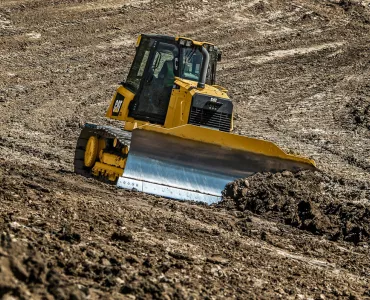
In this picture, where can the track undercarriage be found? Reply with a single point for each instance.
(102, 151)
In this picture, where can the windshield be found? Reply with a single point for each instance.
(191, 62)
(138, 67)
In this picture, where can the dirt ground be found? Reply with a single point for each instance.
(299, 75)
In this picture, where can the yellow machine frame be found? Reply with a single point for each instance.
(112, 165)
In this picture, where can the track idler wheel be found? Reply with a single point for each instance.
(92, 160)
(91, 151)
(80, 153)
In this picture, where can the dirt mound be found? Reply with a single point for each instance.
(311, 201)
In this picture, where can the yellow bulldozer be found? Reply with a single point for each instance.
(176, 139)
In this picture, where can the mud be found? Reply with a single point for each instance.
(298, 74)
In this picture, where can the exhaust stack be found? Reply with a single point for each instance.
(203, 71)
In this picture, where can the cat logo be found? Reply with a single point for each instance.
(117, 105)
(213, 100)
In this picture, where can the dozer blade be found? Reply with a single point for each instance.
(195, 163)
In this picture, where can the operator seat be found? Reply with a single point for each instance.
(167, 73)
(166, 79)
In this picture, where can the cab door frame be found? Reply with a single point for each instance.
(154, 43)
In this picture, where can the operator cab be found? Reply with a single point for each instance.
(157, 61)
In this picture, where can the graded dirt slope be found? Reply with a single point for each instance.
(299, 75)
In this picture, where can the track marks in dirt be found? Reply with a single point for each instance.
(282, 54)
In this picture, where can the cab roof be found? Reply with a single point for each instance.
(172, 38)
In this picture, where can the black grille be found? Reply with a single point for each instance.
(210, 118)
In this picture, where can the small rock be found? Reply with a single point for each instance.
(238, 214)
(179, 255)
(119, 280)
(217, 260)
(105, 262)
(122, 236)
(90, 253)
(132, 259)
(244, 192)
(287, 174)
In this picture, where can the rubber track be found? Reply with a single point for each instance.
(124, 137)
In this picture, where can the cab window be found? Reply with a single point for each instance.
(191, 62)
(138, 66)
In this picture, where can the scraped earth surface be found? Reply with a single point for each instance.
(299, 75)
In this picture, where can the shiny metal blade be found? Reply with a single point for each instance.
(184, 169)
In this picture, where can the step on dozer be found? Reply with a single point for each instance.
(176, 140)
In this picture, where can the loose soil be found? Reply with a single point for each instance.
(299, 75)
(311, 201)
